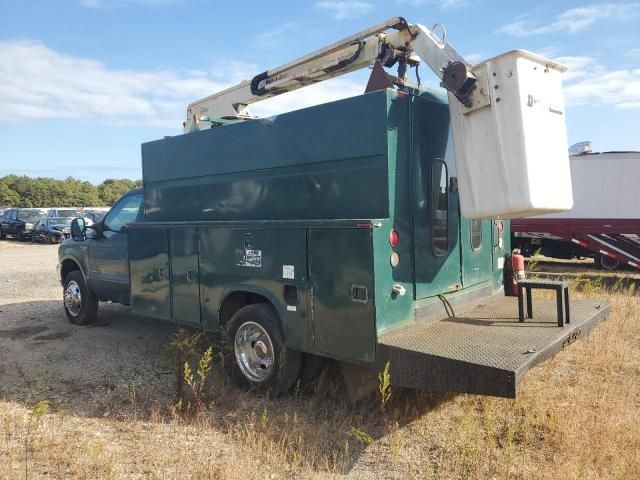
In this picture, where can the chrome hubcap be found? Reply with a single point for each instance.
(254, 351)
(72, 298)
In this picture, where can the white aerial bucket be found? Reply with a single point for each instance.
(511, 145)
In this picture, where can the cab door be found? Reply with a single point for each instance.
(108, 253)
(436, 216)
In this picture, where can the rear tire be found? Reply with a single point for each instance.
(607, 263)
(79, 303)
(2, 235)
(261, 359)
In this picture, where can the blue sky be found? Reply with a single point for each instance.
(84, 82)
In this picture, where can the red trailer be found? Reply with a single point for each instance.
(604, 222)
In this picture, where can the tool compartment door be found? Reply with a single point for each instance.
(476, 244)
(185, 284)
(342, 288)
(436, 211)
(149, 271)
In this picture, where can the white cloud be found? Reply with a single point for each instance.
(328, 91)
(588, 83)
(40, 83)
(574, 19)
(344, 9)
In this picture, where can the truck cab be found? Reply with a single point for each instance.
(100, 254)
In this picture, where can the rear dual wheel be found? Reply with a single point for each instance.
(261, 358)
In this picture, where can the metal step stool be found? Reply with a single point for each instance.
(561, 288)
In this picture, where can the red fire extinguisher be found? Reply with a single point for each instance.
(517, 265)
(517, 262)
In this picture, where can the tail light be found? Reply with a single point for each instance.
(394, 238)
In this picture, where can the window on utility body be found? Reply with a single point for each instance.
(475, 229)
(439, 208)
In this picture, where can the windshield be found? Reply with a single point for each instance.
(69, 213)
(30, 215)
(60, 221)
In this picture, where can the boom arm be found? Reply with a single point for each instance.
(506, 113)
(377, 43)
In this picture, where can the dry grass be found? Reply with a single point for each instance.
(577, 416)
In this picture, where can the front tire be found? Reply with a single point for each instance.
(80, 304)
(261, 358)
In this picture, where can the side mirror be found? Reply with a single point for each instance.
(78, 228)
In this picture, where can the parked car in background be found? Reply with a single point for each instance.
(51, 230)
(95, 215)
(69, 212)
(19, 222)
(90, 214)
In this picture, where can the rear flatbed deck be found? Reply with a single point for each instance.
(484, 349)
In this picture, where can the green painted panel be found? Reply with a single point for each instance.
(393, 310)
(185, 289)
(339, 261)
(476, 262)
(500, 252)
(437, 270)
(149, 267)
(229, 263)
(314, 163)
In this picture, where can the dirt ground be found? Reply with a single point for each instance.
(84, 369)
(100, 402)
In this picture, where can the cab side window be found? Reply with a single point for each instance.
(125, 211)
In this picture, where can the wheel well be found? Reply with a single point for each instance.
(68, 266)
(235, 301)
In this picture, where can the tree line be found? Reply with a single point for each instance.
(23, 191)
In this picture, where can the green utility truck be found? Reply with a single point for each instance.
(333, 231)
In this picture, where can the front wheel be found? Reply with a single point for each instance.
(261, 358)
(80, 304)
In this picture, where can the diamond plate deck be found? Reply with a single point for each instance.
(484, 349)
